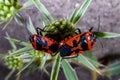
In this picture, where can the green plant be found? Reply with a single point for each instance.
(20, 59)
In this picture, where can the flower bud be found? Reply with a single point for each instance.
(59, 29)
(14, 62)
(8, 8)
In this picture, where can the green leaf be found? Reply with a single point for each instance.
(106, 34)
(22, 43)
(78, 13)
(43, 20)
(69, 71)
(55, 68)
(27, 4)
(44, 59)
(73, 15)
(11, 42)
(87, 63)
(19, 19)
(25, 49)
(92, 58)
(8, 22)
(43, 10)
(113, 68)
(28, 25)
(31, 27)
(95, 63)
(90, 55)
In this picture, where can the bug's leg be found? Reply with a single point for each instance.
(38, 30)
(68, 57)
(53, 54)
(75, 56)
(77, 31)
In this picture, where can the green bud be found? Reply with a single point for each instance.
(12, 1)
(12, 8)
(7, 2)
(14, 62)
(9, 15)
(59, 29)
(1, 12)
(57, 23)
(62, 27)
(3, 18)
(8, 8)
(37, 54)
(5, 8)
(1, 6)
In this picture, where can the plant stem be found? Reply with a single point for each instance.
(55, 68)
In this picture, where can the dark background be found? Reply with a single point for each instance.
(108, 10)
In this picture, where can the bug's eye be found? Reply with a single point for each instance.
(95, 37)
(31, 38)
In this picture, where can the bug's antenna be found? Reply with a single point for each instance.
(99, 30)
(91, 29)
(98, 23)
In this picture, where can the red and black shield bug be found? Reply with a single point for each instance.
(43, 43)
(78, 44)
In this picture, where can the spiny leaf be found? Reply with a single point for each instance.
(28, 48)
(90, 55)
(31, 27)
(87, 63)
(113, 68)
(55, 68)
(43, 20)
(92, 58)
(11, 42)
(19, 19)
(78, 13)
(107, 34)
(8, 22)
(43, 10)
(22, 43)
(69, 71)
(28, 25)
(43, 61)
(27, 4)
(95, 63)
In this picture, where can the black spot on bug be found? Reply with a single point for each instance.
(53, 47)
(65, 50)
(84, 46)
(75, 43)
(31, 38)
(92, 43)
(77, 50)
(82, 38)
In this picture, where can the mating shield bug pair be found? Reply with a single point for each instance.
(71, 46)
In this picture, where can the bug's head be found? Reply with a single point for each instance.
(33, 40)
(89, 39)
(92, 35)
